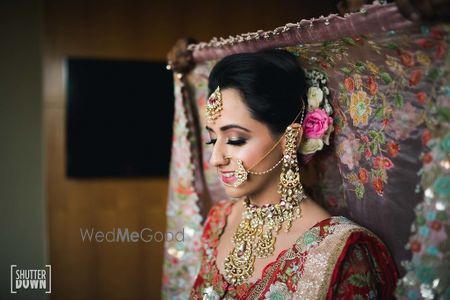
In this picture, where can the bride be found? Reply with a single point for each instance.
(266, 119)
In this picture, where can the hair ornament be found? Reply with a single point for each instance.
(318, 123)
(214, 105)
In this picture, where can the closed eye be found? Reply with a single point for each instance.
(236, 142)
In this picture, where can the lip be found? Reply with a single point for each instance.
(227, 177)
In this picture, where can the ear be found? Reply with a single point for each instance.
(299, 136)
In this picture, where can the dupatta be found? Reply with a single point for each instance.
(388, 168)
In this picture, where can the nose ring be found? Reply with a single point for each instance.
(228, 157)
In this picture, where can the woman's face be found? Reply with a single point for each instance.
(235, 133)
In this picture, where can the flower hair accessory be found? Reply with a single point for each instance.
(318, 123)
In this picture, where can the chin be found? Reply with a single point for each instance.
(233, 192)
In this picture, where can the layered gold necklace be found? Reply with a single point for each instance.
(257, 231)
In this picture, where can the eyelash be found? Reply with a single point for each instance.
(238, 142)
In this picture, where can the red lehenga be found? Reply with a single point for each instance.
(335, 259)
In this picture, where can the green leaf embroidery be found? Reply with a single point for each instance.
(374, 148)
(373, 134)
(379, 113)
(360, 66)
(358, 297)
(443, 114)
(359, 280)
(359, 191)
(434, 74)
(386, 77)
(398, 100)
(381, 137)
(392, 46)
(346, 71)
(349, 41)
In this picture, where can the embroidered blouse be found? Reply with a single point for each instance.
(335, 259)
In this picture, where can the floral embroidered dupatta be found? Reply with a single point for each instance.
(389, 165)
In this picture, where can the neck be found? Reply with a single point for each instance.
(269, 194)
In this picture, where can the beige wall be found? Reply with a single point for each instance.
(126, 30)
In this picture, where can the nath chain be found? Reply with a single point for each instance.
(267, 171)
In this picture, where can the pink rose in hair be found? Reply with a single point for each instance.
(316, 123)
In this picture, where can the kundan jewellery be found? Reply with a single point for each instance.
(241, 174)
(256, 233)
(214, 105)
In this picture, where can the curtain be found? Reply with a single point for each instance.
(388, 167)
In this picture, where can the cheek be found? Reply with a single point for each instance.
(256, 155)
(251, 153)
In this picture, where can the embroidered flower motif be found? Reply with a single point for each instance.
(436, 225)
(424, 43)
(383, 162)
(421, 97)
(393, 149)
(316, 123)
(427, 158)
(310, 238)
(442, 185)
(362, 175)
(378, 186)
(437, 33)
(440, 50)
(210, 294)
(347, 152)
(423, 59)
(372, 67)
(315, 97)
(445, 144)
(358, 81)
(349, 84)
(395, 67)
(406, 57)
(278, 291)
(415, 77)
(415, 246)
(360, 108)
(372, 85)
(403, 121)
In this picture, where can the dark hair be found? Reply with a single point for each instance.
(272, 84)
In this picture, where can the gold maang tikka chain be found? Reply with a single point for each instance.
(256, 233)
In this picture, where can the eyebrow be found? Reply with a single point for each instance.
(227, 127)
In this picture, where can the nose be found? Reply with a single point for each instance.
(218, 157)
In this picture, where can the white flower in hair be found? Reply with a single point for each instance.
(310, 146)
(315, 97)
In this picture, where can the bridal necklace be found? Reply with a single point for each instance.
(257, 231)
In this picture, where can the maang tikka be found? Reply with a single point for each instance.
(214, 105)
(256, 234)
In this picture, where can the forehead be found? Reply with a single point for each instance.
(234, 111)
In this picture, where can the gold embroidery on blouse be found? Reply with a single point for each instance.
(318, 264)
(321, 262)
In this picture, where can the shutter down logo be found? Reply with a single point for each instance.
(31, 279)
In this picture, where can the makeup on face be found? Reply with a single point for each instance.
(233, 135)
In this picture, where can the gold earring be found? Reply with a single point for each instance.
(290, 188)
